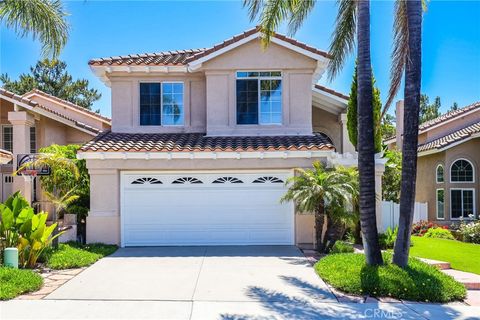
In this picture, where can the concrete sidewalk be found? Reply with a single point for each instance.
(206, 310)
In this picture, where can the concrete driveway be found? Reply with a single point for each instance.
(221, 274)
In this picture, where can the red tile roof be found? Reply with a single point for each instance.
(449, 115)
(331, 91)
(189, 142)
(456, 136)
(183, 57)
(5, 155)
(70, 104)
(34, 104)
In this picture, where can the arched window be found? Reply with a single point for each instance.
(440, 176)
(461, 171)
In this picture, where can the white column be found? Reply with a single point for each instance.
(347, 146)
(21, 122)
(379, 170)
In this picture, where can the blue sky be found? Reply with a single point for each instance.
(451, 40)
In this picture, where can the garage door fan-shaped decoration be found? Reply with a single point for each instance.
(146, 180)
(227, 180)
(268, 180)
(184, 180)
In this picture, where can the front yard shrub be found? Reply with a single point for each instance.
(14, 282)
(421, 227)
(470, 231)
(419, 281)
(342, 247)
(439, 233)
(74, 255)
(387, 239)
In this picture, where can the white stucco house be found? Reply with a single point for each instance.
(202, 142)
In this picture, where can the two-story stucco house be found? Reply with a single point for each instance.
(36, 120)
(203, 141)
(448, 163)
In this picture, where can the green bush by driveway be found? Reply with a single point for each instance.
(14, 282)
(348, 272)
(74, 255)
(461, 255)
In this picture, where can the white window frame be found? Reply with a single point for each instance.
(436, 203)
(450, 171)
(473, 199)
(161, 104)
(259, 78)
(436, 173)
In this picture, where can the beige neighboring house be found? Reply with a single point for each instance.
(448, 163)
(203, 141)
(36, 120)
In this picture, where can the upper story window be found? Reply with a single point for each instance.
(33, 140)
(259, 97)
(161, 104)
(461, 171)
(440, 176)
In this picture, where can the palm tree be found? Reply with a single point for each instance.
(350, 14)
(321, 191)
(44, 19)
(407, 58)
(58, 164)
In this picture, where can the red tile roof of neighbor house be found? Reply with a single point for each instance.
(68, 103)
(183, 57)
(34, 105)
(190, 142)
(454, 137)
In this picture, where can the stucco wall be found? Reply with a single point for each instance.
(426, 176)
(126, 102)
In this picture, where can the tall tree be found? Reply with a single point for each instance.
(352, 118)
(429, 111)
(407, 60)
(52, 77)
(454, 107)
(43, 19)
(350, 15)
(388, 127)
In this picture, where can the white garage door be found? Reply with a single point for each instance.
(205, 209)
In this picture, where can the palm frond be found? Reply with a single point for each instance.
(299, 10)
(399, 53)
(43, 19)
(254, 7)
(343, 37)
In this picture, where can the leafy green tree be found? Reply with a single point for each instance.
(43, 19)
(454, 107)
(392, 176)
(52, 77)
(429, 111)
(352, 116)
(352, 29)
(388, 127)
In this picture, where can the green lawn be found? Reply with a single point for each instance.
(14, 282)
(74, 255)
(461, 255)
(419, 281)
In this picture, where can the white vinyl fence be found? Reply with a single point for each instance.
(391, 210)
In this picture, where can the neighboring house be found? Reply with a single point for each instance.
(36, 120)
(203, 141)
(448, 163)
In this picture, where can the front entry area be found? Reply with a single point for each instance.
(205, 208)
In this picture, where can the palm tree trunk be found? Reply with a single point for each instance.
(366, 147)
(319, 222)
(335, 231)
(410, 134)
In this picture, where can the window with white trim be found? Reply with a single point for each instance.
(462, 203)
(461, 171)
(33, 140)
(440, 174)
(259, 97)
(7, 138)
(161, 104)
(440, 199)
